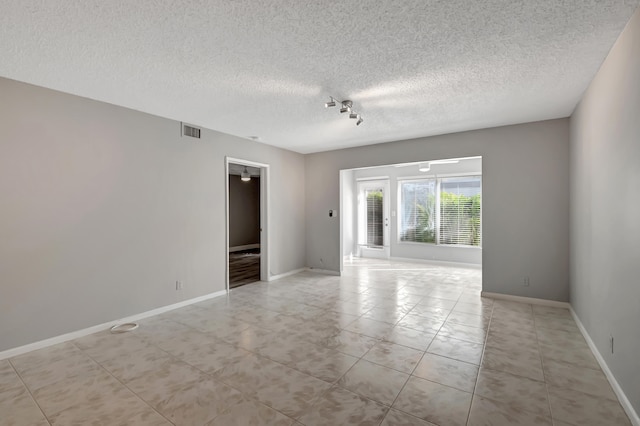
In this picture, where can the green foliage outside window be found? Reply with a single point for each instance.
(374, 219)
(425, 231)
(459, 220)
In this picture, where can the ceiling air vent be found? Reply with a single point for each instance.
(192, 132)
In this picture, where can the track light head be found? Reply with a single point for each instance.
(330, 104)
(359, 122)
(354, 115)
(346, 106)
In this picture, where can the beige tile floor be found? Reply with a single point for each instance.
(385, 344)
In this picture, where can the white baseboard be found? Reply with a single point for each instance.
(523, 299)
(322, 271)
(286, 274)
(245, 247)
(104, 326)
(437, 262)
(624, 401)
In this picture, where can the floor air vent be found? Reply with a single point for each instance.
(192, 132)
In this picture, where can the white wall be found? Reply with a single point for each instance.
(348, 213)
(605, 210)
(410, 250)
(525, 201)
(104, 208)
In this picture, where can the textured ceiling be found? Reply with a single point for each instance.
(265, 68)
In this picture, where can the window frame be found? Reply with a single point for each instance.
(399, 215)
(361, 186)
(438, 178)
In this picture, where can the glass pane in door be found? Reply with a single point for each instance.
(375, 217)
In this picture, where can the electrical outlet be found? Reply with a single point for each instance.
(611, 343)
(525, 282)
(179, 285)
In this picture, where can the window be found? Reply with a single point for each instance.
(441, 211)
(417, 211)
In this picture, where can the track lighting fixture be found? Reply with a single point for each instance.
(245, 175)
(345, 106)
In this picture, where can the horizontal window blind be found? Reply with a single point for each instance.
(460, 210)
(375, 226)
(443, 211)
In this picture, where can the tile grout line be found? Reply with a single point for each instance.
(265, 357)
(424, 353)
(544, 374)
(122, 383)
(484, 346)
(29, 390)
(527, 377)
(192, 366)
(378, 340)
(212, 377)
(404, 386)
(350, 368)
(410, 374)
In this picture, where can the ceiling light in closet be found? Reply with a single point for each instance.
(245, 176)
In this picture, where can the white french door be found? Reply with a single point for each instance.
(373, 218)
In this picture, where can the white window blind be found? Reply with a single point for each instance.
(418, 211)
(460, 210)
(441, 211)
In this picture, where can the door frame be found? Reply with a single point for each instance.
(265, 269)
(383, 252)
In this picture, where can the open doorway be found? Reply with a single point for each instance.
(428, 211)
(246, 223)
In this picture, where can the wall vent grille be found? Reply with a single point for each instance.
(192, 132)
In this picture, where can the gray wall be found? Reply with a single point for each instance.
(525, 201)
(244, 211)
(104, 208)
(605, 210)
